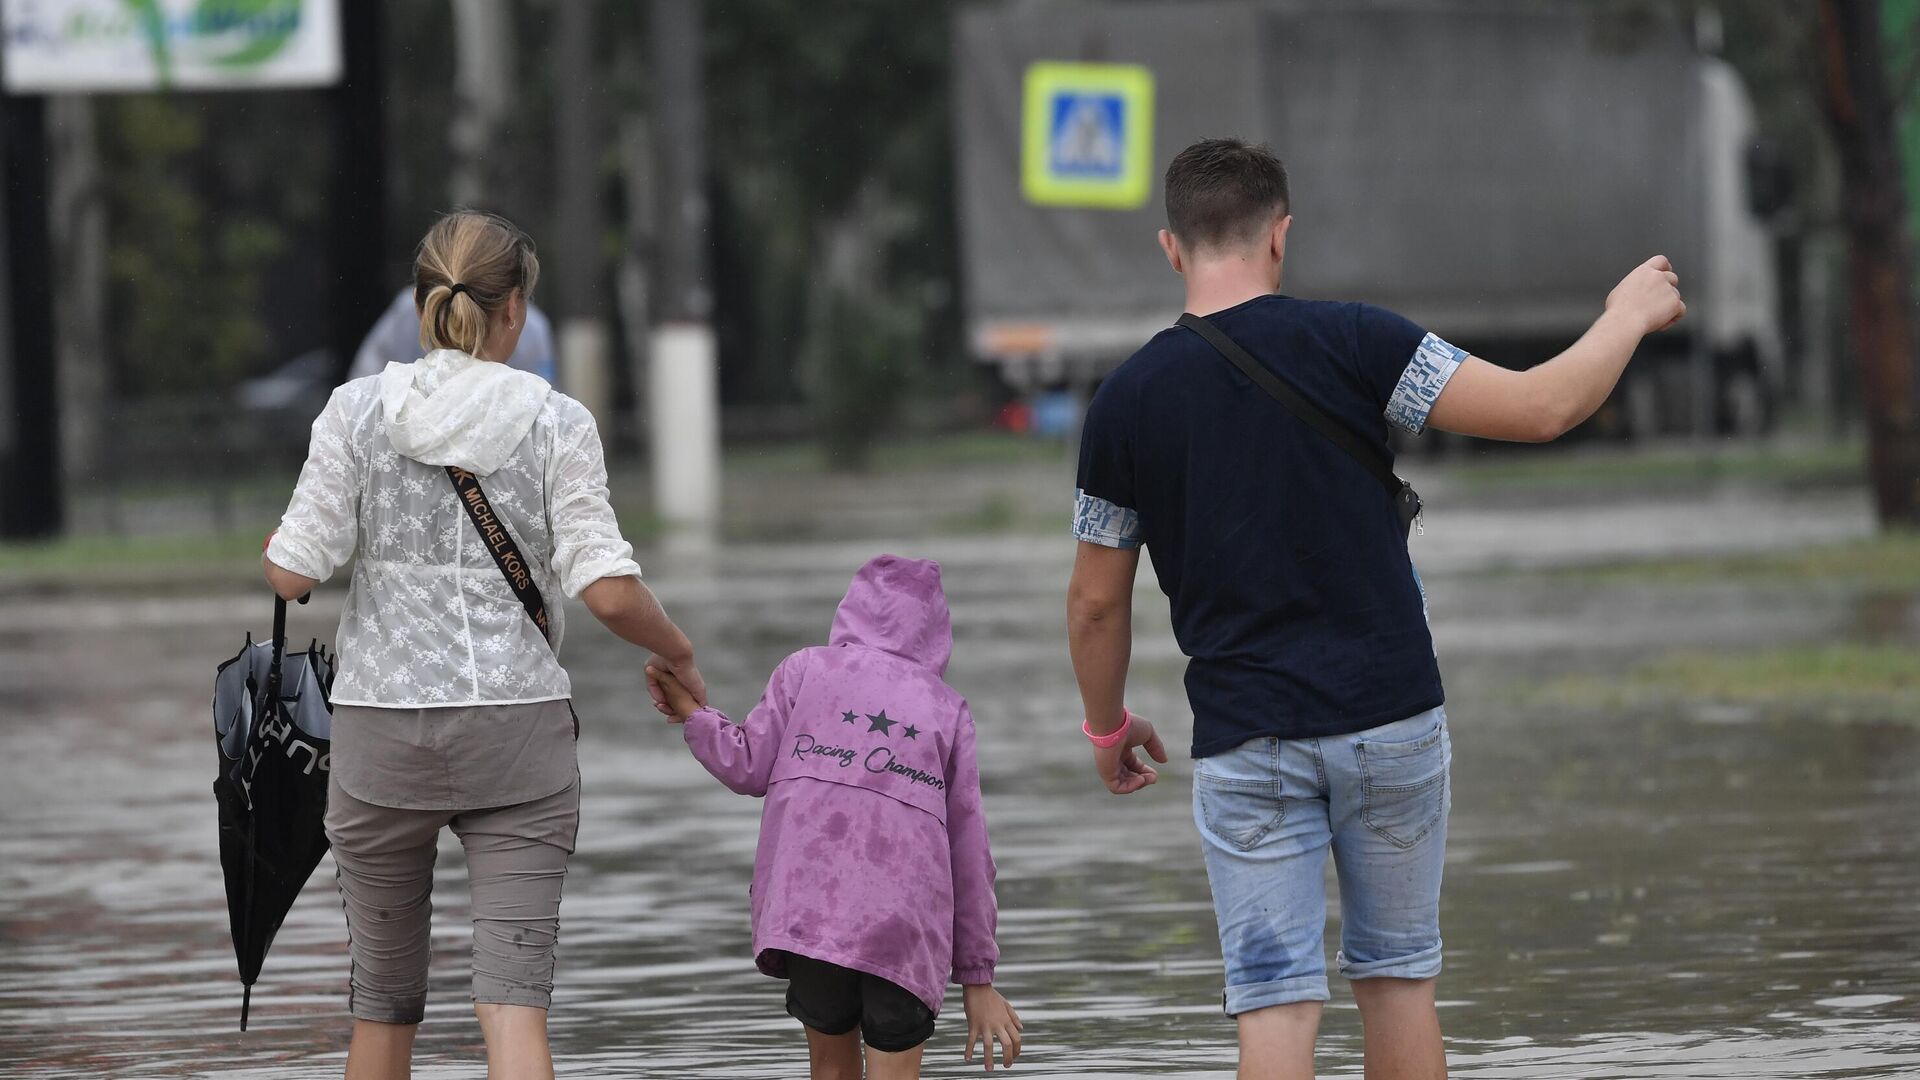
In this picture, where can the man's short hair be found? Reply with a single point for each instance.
(1224, 192)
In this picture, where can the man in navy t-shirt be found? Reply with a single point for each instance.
(1319, 724)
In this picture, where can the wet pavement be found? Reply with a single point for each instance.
(1669, 893)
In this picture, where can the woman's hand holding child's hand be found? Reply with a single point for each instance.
(680, 702)
(686, 675)
(989, 1017)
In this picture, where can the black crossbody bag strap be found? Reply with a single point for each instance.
(499, 544)
(1406, 501)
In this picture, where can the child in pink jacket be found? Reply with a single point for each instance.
(873, 885)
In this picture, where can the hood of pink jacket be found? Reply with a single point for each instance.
(897, 605)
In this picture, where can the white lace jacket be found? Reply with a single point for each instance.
(429, 619)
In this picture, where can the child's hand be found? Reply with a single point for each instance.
(680, 701)
(989, 1017)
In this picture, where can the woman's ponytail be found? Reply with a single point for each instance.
(466, 269)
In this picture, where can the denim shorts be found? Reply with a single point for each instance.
(1270, 810)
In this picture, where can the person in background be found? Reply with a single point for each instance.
(1318, 715)
(451, 709)
(873, 886)
(395, 339)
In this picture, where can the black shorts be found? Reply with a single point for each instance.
(833, 1000)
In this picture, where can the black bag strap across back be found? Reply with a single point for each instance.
(499, 543)
(1406, 501)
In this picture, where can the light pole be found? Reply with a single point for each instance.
(31, 503)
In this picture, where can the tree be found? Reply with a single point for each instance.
(831, 151)
(1856, 90)
(77, 211)
(483, 95)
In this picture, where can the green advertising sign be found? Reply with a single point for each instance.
(80, 46)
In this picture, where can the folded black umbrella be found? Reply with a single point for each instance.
(272, 723)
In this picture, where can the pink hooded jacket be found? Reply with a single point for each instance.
(873, 847)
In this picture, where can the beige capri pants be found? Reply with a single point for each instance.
(516, 864)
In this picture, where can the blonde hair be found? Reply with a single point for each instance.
(466, 268)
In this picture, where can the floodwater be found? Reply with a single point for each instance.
(1706, 893)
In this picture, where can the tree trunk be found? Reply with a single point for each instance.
(78, 224)
(860, 348)
(1859, 109)
(483, 85)
(680, 155)
(683, 388)
(579, 275)
(633, 282)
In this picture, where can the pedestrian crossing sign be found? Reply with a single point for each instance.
(1087, 136)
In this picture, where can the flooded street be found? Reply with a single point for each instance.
(1648, 893)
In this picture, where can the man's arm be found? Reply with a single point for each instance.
(1100, 629)
(1100, 638)
(1545, 402)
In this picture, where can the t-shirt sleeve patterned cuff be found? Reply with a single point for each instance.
(1097, 521)
(1434, 362)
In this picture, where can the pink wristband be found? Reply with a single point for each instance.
(1112, 738)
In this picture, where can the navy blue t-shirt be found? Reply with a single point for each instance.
(1293, 594)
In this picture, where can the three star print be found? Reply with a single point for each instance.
(881, 723)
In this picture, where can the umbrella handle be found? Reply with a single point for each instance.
(279, 640)
(279, 647)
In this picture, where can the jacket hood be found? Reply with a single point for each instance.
(448, 408)
(897, 605)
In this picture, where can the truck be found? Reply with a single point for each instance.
(1487, 168)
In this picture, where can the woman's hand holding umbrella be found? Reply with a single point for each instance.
(286, 584)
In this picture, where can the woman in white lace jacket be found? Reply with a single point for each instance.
(451, 707)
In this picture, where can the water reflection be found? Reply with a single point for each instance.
(1628, 895)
